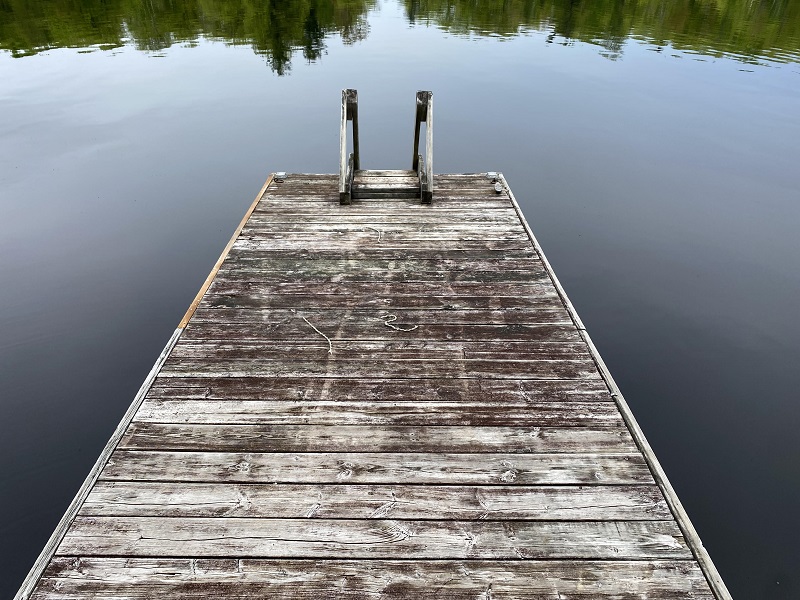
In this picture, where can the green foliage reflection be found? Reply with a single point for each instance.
(275, 29)
(750, 30)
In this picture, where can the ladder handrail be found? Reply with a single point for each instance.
(424, 166)
(348, 163)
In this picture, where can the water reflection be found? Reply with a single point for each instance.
(750, 30)
(276, 29)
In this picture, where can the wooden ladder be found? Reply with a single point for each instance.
(355, 182)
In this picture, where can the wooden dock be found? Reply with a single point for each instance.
(380, 400)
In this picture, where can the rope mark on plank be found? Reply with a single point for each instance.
(388, 319)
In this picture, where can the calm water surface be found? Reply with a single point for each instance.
(653, 145)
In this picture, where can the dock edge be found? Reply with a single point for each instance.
(693, 540)
(47, 553)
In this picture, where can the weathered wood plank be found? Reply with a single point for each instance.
(386, 173)
(392, 193)
(391, 218)
(370, 253)
(389, 242)
(464, 193)
(429, 228)
(360, 412)
(365, 240)
(352, 438)
(334, 266)
(456, 292)
(326, 204)
(499, 468)
(323, 538)
(333, 316)
(337, 364)
(290, 185)
(391, 237)
(492, 392)
(243, 579)
(374, 349)
(292, 501)
(229, 296)
(249, 270)
(369, 179)
(377, 215)
(299, 329)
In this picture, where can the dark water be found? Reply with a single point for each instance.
(654, 146)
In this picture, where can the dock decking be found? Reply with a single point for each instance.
(378, 400)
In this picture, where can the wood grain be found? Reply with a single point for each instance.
(353, 438)
(360, 412)
(372, 538)
(550, 503)
(490, 391)
(379, 468)
(191, 578)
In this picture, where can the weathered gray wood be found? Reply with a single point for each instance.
(453, 290)
(250, 295)
(359, 193)
(376, 253)
(333, 363)
(360, 412)
(390, 243)
(390, 239)
(349, 438)
(388, 217)
(298, 329)
(445, 202)
(334, 316)
(387, 172)
(292, 501)
(378, 349)
(498, 468)
(401, 369)
(370, 186)
(334, 266)
(368, 179)
(492, 392)
(252, 271)
(240, 579)
(289, 211)
(322, 538)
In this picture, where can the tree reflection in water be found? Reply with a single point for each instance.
(750, 30)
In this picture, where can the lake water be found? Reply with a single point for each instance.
(654, 147)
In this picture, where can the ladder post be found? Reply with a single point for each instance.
(424, 167)
(348, 163)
